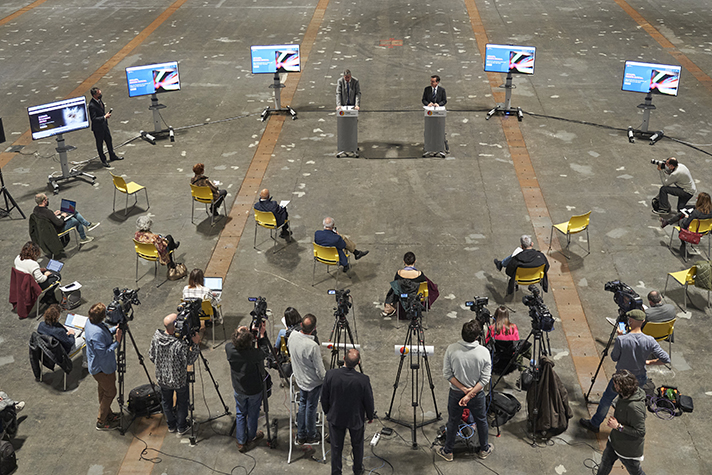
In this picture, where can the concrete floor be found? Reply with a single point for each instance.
(456, 213)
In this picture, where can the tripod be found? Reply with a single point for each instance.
(191, 403)
(620, 319)
(415, 350)
(8, 199)
(339, 343)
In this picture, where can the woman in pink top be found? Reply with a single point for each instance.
(503, 329)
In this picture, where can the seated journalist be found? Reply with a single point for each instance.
(407, 280)
(329, 237)
(280, 213)
(526, 257)
(57, 219)
(51, 326)
(201, 180)
(27, 262)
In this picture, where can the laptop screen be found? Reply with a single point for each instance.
(214, 283)
(68, 206)
(55, 266)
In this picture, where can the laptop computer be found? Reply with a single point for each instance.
(69, 207)
(215, 285)
(54, 266)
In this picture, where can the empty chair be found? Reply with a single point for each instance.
(130, 188)
(574, 225)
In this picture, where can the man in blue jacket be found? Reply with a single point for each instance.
(328, 237)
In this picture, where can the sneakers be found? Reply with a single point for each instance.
(184, 430)
(300, 441)
(172, 430)
(19, 406)
(498, 263)
(661, 211)
(92, 226)
(441, 452)
(111, 424)
(483, 454)
(359, 254)
(586, 424)
(86, 240)
(388, 314)
(313, 441)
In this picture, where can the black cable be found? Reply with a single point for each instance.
(393, 470)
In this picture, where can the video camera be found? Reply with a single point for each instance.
(482, 313)
(343, 302)
(120, 310)
(259, 314)
(542, 320)
(188, 321)
(624, 296)
(412, 304)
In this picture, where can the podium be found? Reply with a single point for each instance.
(347, 131)
(434, 134)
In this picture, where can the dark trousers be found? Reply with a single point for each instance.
(337, 435)
(609, 458)
(218, 201)
(477, 408)
(682, 197)
(102, 136)
(176, 416)
(170, 246)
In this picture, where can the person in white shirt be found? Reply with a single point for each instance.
(677, 181)
(27, 262)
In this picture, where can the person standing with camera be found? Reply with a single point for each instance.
(172, 356)
(677, 181)
(102, 363)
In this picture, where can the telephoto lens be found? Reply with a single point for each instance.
(657, 162)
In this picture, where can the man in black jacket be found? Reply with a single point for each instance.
(527, 258)
(347, 399)
(100, 126)
(266, 203)
(57, 218)
(434, 95)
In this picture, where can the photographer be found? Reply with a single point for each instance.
(172, 356)
(246, 371)
(102, 363)
(677, 181)
(630, 352)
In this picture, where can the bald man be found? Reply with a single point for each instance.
(280, 213)
(172, 357)
(329, 237)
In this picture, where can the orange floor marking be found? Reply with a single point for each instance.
(21, 11)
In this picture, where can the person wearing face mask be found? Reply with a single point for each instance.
(100, 126)
(677, 181)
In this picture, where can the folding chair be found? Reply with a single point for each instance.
(574, 225)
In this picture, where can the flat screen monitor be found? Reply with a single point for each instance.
(59, 117)
(153, 78)
(651, 77)
(272, 59)
(509, 59)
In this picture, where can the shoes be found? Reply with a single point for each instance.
(483, 454)
(19, 406)
(346, 267)
(172, 430)
(300, 441)
(663, 223)
(498, 263)
(108, 425)
(86, 240)
(446, 456)
(116, 157)
(611, 320)
(177, 245)
(188, 425)
(388, 314)
(586, 424)
(92, 226)
(313, 441)
(359, 254)
(242, 448)
(285, 234)
(105, 164)
(661, 211)
(114, 416)
(258, 436)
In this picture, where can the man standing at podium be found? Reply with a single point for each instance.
(348, 91)
(434, 95)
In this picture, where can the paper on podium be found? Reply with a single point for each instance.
(75, 321)
(400, 349)
(435, 111)
(284, 203)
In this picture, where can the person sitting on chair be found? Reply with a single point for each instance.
(57, 219)
(197, 290)
(526, 257)
(702, 210)
(407, 273)
(503, 329)
(27, 262)
(280, 213)
(164, 244)
(329, 237)
(201, 180)
(53, 328)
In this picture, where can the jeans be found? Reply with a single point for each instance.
(247, 409)
(607, 399)
(337, 435)
(176, 416)
(477, 408)
(609, 458)
(306, 417)
(78, 221)
(682, 197)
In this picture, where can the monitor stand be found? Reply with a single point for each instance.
(506, 108)
(643, 131)
(278, 109)
(158, 130)
(67, 174)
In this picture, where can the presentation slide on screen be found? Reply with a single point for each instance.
(509, 58)
(58, 117)
(153, 78)
(275, 58)
(651, 77)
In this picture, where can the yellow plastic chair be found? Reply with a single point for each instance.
(61, 234)
(685, 278)
(701, 226)
(146, 251)
(528, 276)
(266, 219)
(661, 331)
(130, 188)
(203, 194)
(574, 225)
(329, 256)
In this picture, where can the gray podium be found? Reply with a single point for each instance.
(434, 135)
(347, 132)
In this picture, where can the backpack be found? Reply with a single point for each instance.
(144, 400)
(8, 461)
(703, 278)
(503, 406)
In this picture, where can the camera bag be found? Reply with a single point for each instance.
(144, 400)
(685, 403)
(8, 460)
(503, 406)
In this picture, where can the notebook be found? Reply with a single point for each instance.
(215, 285)
(69, 207)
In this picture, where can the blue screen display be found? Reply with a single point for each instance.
(509, 59)
(651, 77)
(153, 78)
(275, 58)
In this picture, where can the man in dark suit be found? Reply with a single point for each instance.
(328, 237)
(267, 204)
(100, 126)
(348, 91)
(347, 400)
(434, 95)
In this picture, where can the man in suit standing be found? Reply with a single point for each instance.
(434, 95)
(280, 213)
(348, 91)
(347, 400)
(328, 237)
(100, 126)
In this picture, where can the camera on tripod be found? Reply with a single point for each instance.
(412, 303)
(659, 163)
(542, 320)
(120, 309)
(259, 314)
(343, 302)
(624, 296)
(482, 313)
(188, 321)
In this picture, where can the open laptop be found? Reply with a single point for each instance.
(54, 266)
(69, 207)
(215, 285)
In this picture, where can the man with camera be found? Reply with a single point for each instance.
(248, 377)
(657, 311)
(630, 352)
(172, 356)
(102, 363)
(468, 367)
(309, 374)
(677, 181)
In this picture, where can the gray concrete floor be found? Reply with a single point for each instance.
(456, 213)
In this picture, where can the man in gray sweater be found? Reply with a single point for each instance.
(677, 181)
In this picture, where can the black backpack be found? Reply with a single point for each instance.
(8, 461)
(144, 400)
(503, 406)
